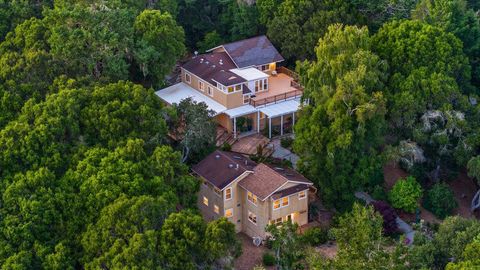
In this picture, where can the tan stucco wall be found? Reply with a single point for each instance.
(261, 210)
(296, 206)
(235, 203)
(213, 198)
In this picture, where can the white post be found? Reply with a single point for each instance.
(293, 124)
(269, 127)
(281, 125)
(235, 127)
(258, 121)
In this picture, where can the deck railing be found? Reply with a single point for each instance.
(276, 99)
(288, 72)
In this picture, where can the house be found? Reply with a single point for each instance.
(251, 195)
(243, 84)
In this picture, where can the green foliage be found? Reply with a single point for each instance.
(268, 259)
(211, 40)
(473, 167)
(286, 245)
(378, 193)
(339, 133)
(286, 142)
(314, 236)
(405, 194)
(226, 147)
(378, 12)
(440, 200)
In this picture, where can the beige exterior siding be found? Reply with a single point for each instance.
(235, 203)
(297, 207)
(207, 190)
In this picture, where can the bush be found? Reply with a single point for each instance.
(286, 142)
(378, 193)
(405, 194)
(226, 147)
(440, 200)
(268, 259)
(314, 236)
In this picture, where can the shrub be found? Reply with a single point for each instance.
(314, 236)
(440, 200)
(405, 194)
(378, 193)
(268, 259)
(226, 147)
(286, 142)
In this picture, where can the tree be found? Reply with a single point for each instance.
(192, 124)
(266, 9)
(211, 40)
(125, 228)
(160, 42)
(455, 17)
(286, 245)
(377, 13)
(361, 244)
(470, 257)
(339, 132)
(440, 200)
(473, 167)
(221, 243)
(405, 194)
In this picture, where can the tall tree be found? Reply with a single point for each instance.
(339, 132)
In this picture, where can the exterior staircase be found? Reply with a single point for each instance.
(224, 137)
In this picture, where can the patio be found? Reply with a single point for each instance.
(247, 145)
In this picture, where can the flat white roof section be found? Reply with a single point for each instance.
(180, 91)
(250, 74)
(282, 108)
(240, 111)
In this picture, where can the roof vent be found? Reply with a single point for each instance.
(196, 53)
(236, 167)
(213, 66)
(230, 166)
(279, 169)
(237, 157)
(217, 156)
(201, 60)
(221, 62)
(206, 62)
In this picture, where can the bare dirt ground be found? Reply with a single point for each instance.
(328, 250)
(251, 256)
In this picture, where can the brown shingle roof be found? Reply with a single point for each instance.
(263, 182)
(253, 52)
(289, 191)
(221, 168)
(290, 174)
(214, 67)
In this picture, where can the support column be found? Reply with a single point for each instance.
(269, 127)
(258, 121)
(281, 125)
(235, 127)
(293, 123)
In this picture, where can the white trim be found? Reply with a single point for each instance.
(231, 194)
(253, 196)
(305, 194)
(275, 191)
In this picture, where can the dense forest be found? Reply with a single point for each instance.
(91, 180)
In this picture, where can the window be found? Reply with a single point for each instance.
(231, 89)
(252, 198)
(276, 204)
(217, 191)
(280, 203)
(277, 221)
(229, 213)
(252, 217)
(216, 209)
(205, 200)
(302, 195)
(188, 78)
(257, 86)
(238, 87)
(265, 84)
(201, 85)
(246, 99)
(265, 67)
(210, 91)
(284, 201)
(228, 193)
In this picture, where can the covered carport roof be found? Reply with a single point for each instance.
(282, 108)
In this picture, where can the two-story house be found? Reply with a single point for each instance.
(251, 195)
(240, 80)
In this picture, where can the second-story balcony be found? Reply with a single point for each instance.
(281, 87)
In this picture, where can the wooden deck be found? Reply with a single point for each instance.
(248, 145)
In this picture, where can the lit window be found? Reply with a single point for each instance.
(252, 198)
(205, 200)
(302, 195)
(238, 87)
(252, 217)
(230, 89)
(216, 209)
(284, 201)
(277, 221)
(276, 204)
(228, 193)
(201, 85)
(265, 84)
(229, 213)
(188, 78)
(210, 91)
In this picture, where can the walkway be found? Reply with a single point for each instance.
(283, 153)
